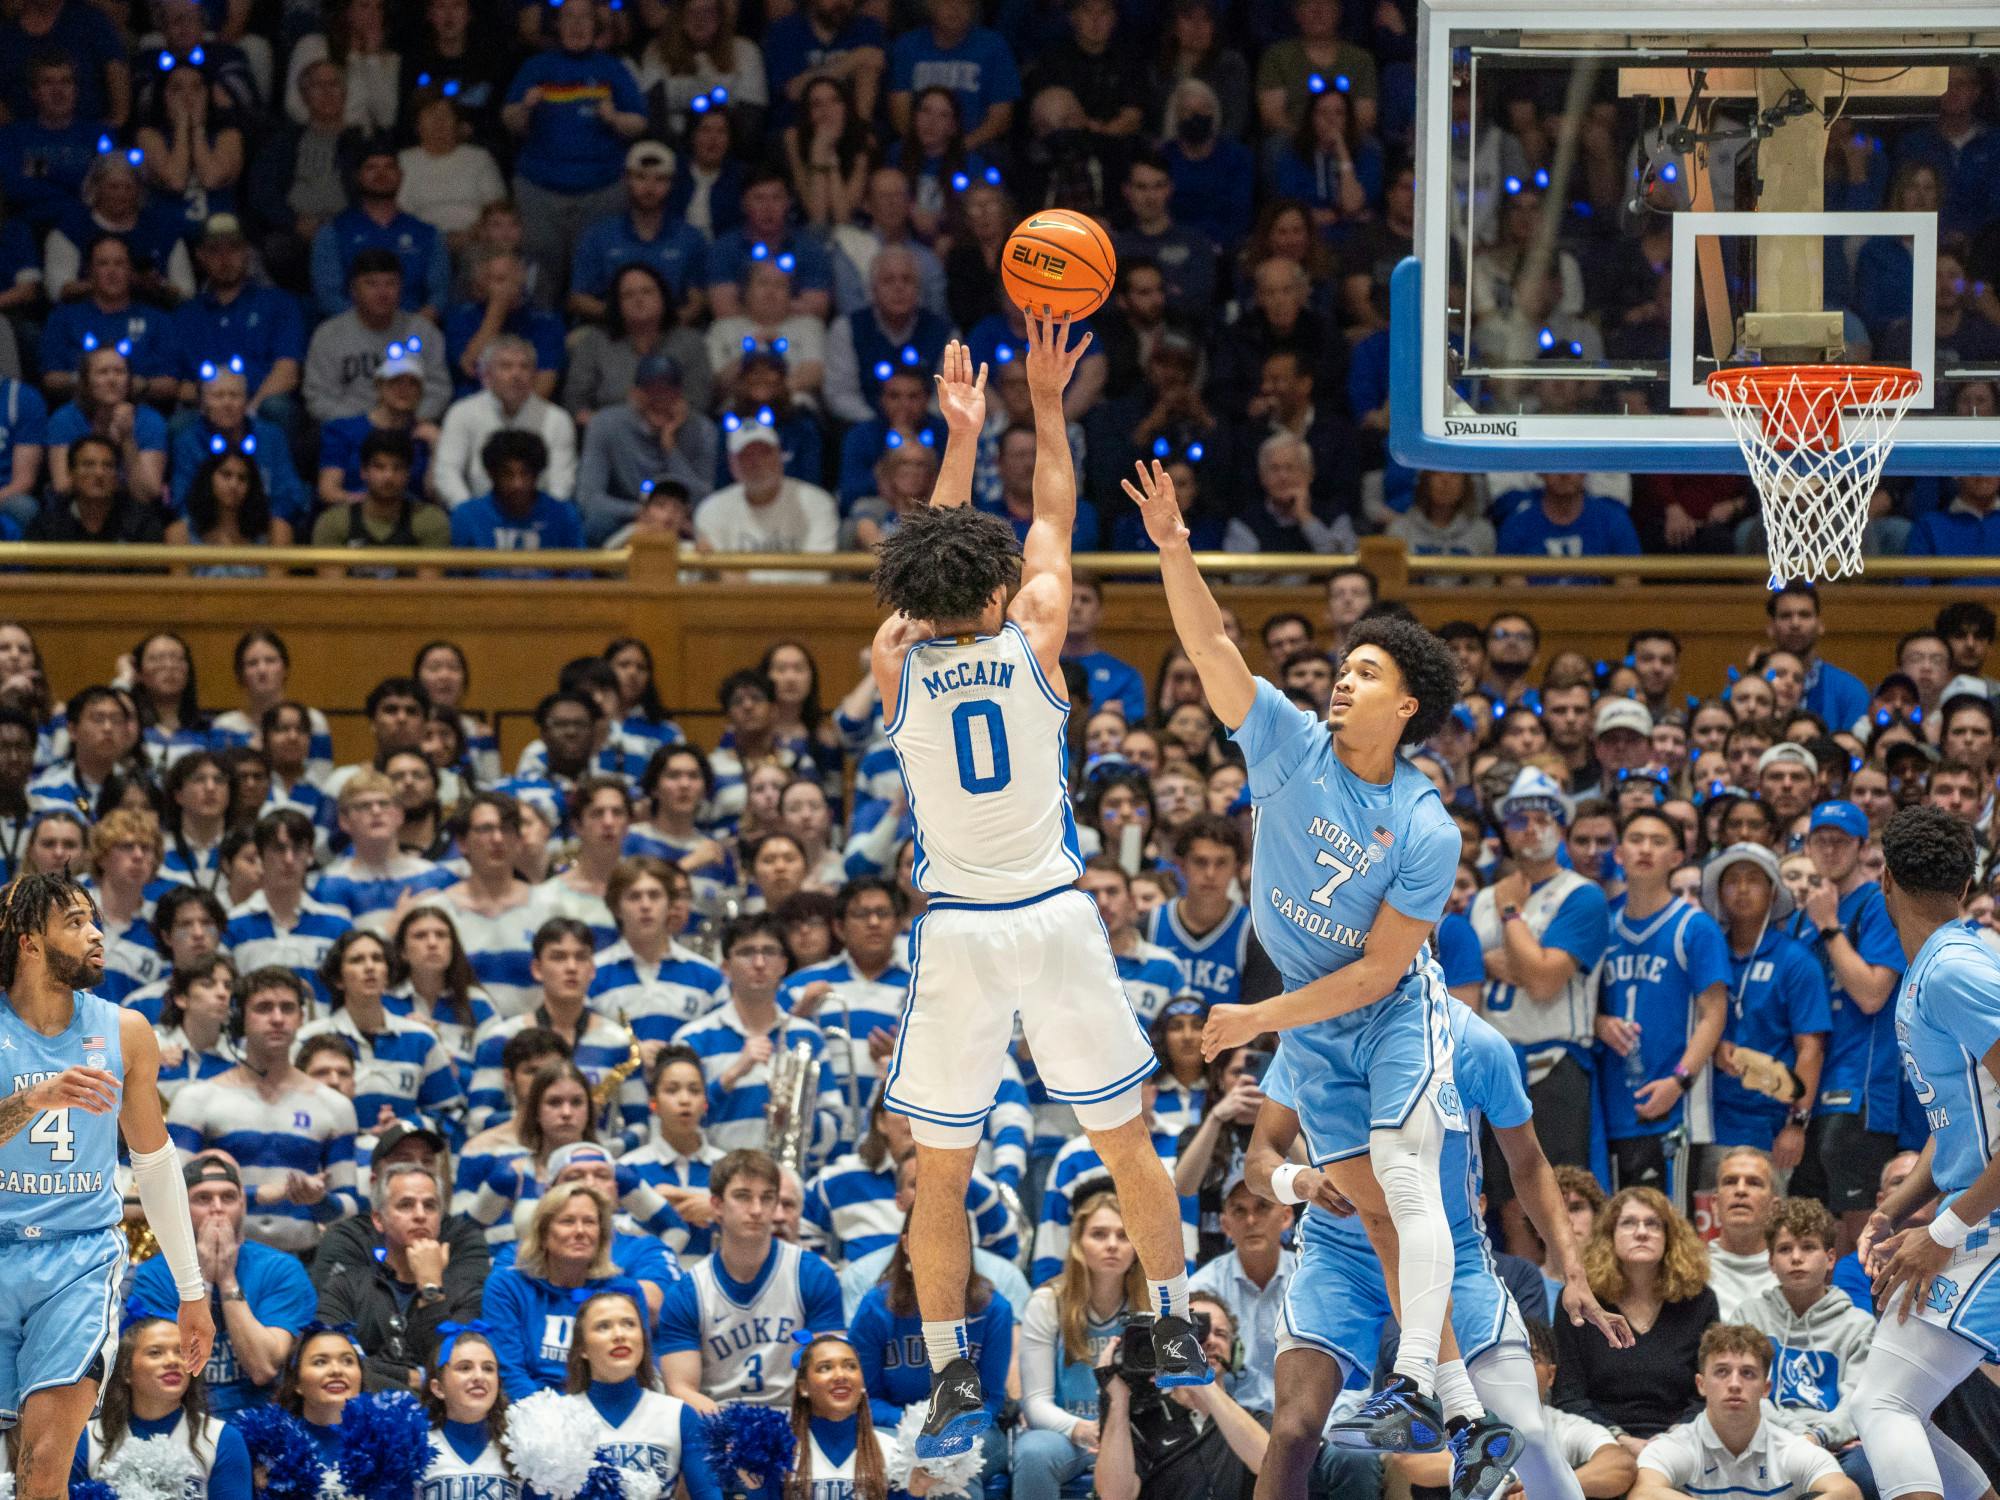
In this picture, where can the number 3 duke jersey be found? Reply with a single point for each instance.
(980, 735)
(57, 1176)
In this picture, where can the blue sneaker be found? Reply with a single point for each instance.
(958, 1413)
(1399, 1418)
(1482, 1457)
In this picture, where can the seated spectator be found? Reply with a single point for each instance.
(226, 506)
(261, 1297)
(904, 477)
(346, 350)
(374, 876)
(700, 53)
(1281, 317)
(894, 331)
(931, 149)
(106, 317)
(1287, 71)
(259, 1105)
(1064, 163)
(1563, 520)
(765, 511)
(656, 435)
(829, 150)
(825, 39)
(527, 1053)
(413, 1278)
(530, 1305)
(226, 426)
(280, 924)
(886, 209)
(1444, 519)
(399, 393)
(467, 63)
(766, 234)
(707, 1354)
(447, 179)
(388, 515)
(708, 190)
(1963, 329)
(643, 233)
(516, 514)
(1644, 1261)
(99, 508)
(574, 106)
(1732, 1437)
(614, 1385)
(975, 63)
(1968, 527)
(1284, 521)
(192, 134)
(761, 396)
(296, 185)
(1739, 1258)
(499, 309)
(508, 403)
(1015, 502)
(904, 399)
(1330, 165)
(24, 441)
(47, 149)
(1290, 399)
(108, 406)
(647, 976)
(374, 222)
(1214, 174)
(1084, 63)
(401, 1070)
(114, 203)
(768, 322)
(356, 42)
(638, 320)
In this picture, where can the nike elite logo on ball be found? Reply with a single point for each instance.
(1047, 262)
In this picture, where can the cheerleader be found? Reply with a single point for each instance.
(150, 1395)
(840, 1454)
(468, 1410)
(611, 1369)
(321, 1377)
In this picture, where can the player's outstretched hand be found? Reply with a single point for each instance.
(1878, 1228)
(1910, 1261)
(1583, 1307)
(1158, 507)
(1229, 1026)
(91, 1090)
(1051, 361)
(197, 1325)
(961, 395)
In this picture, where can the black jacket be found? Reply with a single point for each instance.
(397, 1334)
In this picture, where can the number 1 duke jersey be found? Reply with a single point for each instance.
(981, 738)
(57, 1176)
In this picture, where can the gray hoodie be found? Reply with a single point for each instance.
(1816, 1361)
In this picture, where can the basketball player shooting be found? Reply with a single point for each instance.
(969, 691)
(70, 1056)
(1353, 862)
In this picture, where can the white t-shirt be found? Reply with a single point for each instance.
(1774, 1466)
(802, 518)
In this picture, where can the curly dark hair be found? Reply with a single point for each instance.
(1930, 852)
(1426, 664)
(943, 563)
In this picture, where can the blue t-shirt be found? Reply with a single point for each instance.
(75, 328)
(1777, 992)
(1655, 969)
(1458, 951)
(24, 419)
(606, 246)
(42, 170)
(279, 1294)
(542, 329)
(1947, 1022)
(980, 70)
(261, 326)
(1602, 529)
(340, 448)
(417, 246)
(1862, 1067)
(1112, 680)
(85, 35)
(568, 148)
(732, 254)
(1835, 694)
(1956, 532)
(550, 524)
(791, 46)
(67, 423)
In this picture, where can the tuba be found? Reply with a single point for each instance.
(788, 1117)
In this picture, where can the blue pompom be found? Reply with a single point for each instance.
(603, 1484)
(755, 1439)
(92, 1489)
(280, 1445)
(384, 1439)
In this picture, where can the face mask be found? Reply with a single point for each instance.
(1196, 130)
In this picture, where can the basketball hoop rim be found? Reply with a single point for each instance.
(1800, 406)
(1865, 383)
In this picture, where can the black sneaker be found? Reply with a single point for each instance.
(1399, 1418)
(1482, 1456)
(958, 1413)
(1178, 1357)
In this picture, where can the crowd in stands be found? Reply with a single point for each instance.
(450, 1041)
(490, 274)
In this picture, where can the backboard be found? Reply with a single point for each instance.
(1612, 204)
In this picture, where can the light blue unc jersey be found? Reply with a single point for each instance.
(1947, 1020)
(980, 735)
(57, 1176)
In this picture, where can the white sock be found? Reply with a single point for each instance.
(1416, 1359)
(1168, 1297)
(1454, 1390)
(946, 1341)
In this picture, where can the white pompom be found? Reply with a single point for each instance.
(156, 1468)
(553, 1442)
(640, 1484)
(330, 1487)
(958, 1475)
(6, 1487)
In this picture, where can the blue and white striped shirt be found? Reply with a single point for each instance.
(736, 1112)
(850, 1211)
(402, 1066)
(254, 938)
(660, 1166)
(307, 1128)
(601, 1045)
(132, 958)
(1075, 1165)
(681, 988)
(855, 1007)
(369, 893)
(501, 946)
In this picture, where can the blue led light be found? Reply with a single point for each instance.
(645, 488)
(1004, 354)
(992, 175)
(699, 104)
(1315, 83)
(893, 440)
(1194, 453)
(1671, 172)
(451, 88)
(1513, 185)
(135, 156)
(208, 369)
(249, 442)
(766, 417)
(423, 80)
(413, 343)
(89, 342)
(196, 57)
(105, 145)
(960, 182)
(1576, 349)
(760, 251)
(883, 369)
(124, 347)
(1541, 177)
(166, 62)
(749, 344)
(910, 355)
(781, 343)
(1342, 83)
(927, 437)
(730, 421)
(218, 445)
(787, 262)
(1161, 447)
(1546, 338)
(719, 94)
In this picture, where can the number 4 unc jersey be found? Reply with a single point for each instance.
(57, 1176)
(981, 737)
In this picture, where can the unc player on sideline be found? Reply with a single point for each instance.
(979, 731)
(1938, 1286)
(1350, 869)
(69, 1055)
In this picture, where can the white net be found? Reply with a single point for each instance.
(1816, 438)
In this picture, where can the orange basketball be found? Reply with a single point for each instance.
(1058, 262)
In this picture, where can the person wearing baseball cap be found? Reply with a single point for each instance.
(1852, 1134)
(1621, 740)
(1787, 778)
(655, 434)
(1543, 928)
(765, 510)
(236, 317)
(642, 233)
(1778, 1005)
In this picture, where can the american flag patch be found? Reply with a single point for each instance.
(93, 1043)
(1384, 837)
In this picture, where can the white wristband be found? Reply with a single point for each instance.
(1282, 1178)
(1949, 1230)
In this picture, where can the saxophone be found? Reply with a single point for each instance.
(788, 1117)
(605, 1090)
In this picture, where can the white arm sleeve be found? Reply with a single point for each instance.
(163, 1196)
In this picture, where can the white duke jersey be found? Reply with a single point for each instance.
(452, 1476)
(746, 1347)
(980, 736)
